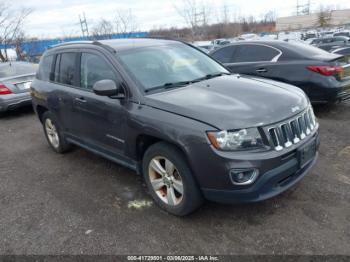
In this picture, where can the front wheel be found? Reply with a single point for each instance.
(53, 134)
(170, 180)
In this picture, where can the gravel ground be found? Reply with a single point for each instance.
(79, 203)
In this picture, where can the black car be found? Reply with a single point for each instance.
(173, 114)
(328, 43)
(323, 76)
(345, 51)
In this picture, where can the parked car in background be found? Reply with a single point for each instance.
(329, 43)
(205, 46)
(327, 34)
(15, 80)
(323, 76)
(309, 40)
(309, 35)
(342, 33)
(287, 36)
(345, 51)
(217, 43)
(179, 118)
(249, 37)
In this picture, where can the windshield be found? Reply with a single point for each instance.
(169, 64)
(16, 69)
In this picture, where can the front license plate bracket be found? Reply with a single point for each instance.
(307, 153)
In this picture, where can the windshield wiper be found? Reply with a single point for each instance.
(185, 83)
(209, 76)
(169, 85)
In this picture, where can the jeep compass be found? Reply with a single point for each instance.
(173, 114)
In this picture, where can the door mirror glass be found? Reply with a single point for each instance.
(108, 87)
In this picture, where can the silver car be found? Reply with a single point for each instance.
(15, 80)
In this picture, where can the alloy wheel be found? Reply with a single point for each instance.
(52, 133)
(166, 180)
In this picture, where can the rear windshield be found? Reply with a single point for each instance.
(303, 50)
(307, 50)
(15, 69)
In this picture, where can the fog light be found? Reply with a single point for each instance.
(243, 176)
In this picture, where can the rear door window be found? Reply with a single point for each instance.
(255, 53)
(225, 54)
(65, 68)
(94, 68)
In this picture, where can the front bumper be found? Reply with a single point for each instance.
(271, 184)
(278, 171)
(12, 101)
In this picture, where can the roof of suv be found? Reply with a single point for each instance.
(123, 44)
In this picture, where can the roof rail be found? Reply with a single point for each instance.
(84, 42)
(163, 38)
(71, 43)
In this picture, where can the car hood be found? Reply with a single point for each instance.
(232, 102)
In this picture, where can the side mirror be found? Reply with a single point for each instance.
(108, 87)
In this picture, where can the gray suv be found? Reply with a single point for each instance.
(171, 113)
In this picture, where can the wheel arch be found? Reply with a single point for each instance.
(41, 111)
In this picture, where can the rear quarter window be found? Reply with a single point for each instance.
(255, 53)
(45, 68)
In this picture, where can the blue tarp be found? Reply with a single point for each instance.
(37, 47)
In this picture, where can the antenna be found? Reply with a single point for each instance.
(84, 25)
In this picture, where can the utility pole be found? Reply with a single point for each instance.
(303, 9)
(297, 11)
(84, 25)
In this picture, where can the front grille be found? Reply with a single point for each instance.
(292, 131)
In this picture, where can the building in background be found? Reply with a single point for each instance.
(336, 18)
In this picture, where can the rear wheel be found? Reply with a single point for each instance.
(53, 134)
(170, 181)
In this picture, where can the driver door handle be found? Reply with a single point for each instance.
(261, 70)
(80, 99)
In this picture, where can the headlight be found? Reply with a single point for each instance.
(236, 140)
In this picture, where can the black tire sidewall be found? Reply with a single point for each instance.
(192, 197)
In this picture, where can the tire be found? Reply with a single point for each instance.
(61, 145)
(164, 181)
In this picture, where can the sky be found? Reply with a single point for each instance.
(59, 18)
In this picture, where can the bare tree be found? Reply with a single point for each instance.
(18, 41)
(269, 17)
(103, 29)
(324, 16)
(11, 25)
(125, 22)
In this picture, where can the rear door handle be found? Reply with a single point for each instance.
(261, 70)
(80, 99)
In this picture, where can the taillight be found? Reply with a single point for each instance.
(4, 90)
(326, 70)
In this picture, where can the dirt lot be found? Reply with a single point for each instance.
(79, 203)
